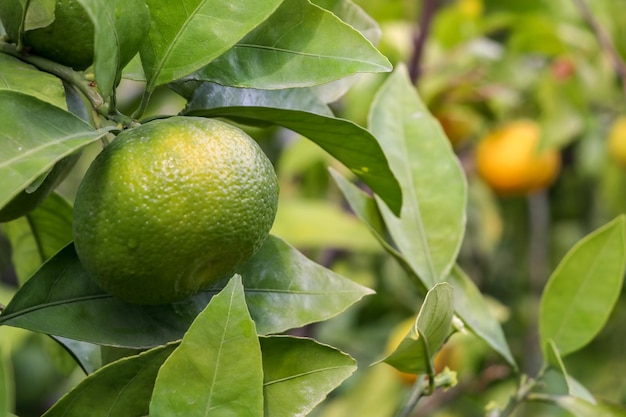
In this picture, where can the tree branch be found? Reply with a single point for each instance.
(605, 41)
(419, 38)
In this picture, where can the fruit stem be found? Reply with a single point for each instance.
(605, 41)
(74, 78)
(419, 38)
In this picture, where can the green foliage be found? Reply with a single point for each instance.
(217, 367)
(19, 76)
(430, 227)
(517, 297)
(39, 234)
(6, 394)
(432, 327)
(129, 383)
(278, 279)
(584, 288)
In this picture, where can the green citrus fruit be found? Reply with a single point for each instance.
(69, 39)
(172, 206)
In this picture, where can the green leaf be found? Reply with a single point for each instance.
(87, 355)
(61, 299)
(469, 303)
(366, 209)
(581, 408)
(34, 136)
(574, 388)
(286, 290)
(471, 308)
(300, 45)
(319, 224)
(353, 15)
(582, 291)
(186, 36)
(431, 225)
(432, 326)
(122, 388)
(40, 13)
(356, 17)
(6, 388)
(23, 15)
(217, 369)
(349, 143)
(39, 235)
(19, 76)
(299, 373)
(205, 96)
(118, 26)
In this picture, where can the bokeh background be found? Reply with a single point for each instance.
(479, 65)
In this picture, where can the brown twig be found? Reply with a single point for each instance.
(419, 39)
(605, 41)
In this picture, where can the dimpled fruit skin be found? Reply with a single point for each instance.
(172, 206)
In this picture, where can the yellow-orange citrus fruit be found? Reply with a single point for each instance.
(172, 206)
(617, 141)
(508, 160)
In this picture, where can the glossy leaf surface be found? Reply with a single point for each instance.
(39, 14)
(206, 95)
(34, 136)
(469, 303)
(122, 388)
(87, 355)
(432, 327)
(61, 299)
(366, 209)
(117, 24)
(299, 374)
(217, 369)
(353, 15)
(286, 290)
(188, 34)
(471, 308)
(581, 293)
(300, 45)
(431, 225)
(19, 76)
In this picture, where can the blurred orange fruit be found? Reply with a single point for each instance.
(509, 161)
(616, 141)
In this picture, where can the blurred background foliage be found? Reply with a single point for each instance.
(483, 65)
